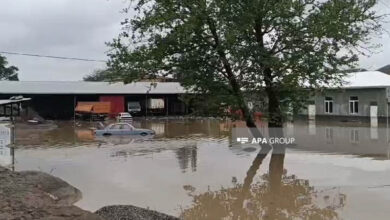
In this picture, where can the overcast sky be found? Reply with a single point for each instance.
(71, 28)
(79, 28)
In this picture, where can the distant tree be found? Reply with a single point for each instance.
(246, 47)
(8, 72)
(107, 75)
(100, 75)
(385, 69)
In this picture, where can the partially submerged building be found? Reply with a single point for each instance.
(11, 107)
(364, 94)
(58, 99)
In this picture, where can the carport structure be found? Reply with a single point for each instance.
(11, 107)
(58, 99)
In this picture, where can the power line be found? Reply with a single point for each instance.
(52, 57)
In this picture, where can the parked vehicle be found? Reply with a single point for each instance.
(93, 110)
(123, 129)
(134, 107)
(155, 105)
(5, 119)
(124, 117)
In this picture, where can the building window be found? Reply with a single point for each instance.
(328, 105)
(353, 105)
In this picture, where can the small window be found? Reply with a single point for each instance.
(125, 127)
(328, 105)
(115, 126)
(353, 105)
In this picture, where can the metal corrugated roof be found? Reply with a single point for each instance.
(367, 79)
(360, 80)
(9, 101)
(81, 87)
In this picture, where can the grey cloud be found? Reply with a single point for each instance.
(79, 28)
(62, 28)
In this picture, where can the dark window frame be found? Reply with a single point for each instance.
(353, 105)
(328, 105)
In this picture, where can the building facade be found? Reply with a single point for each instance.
(363, 94)
(351, 102)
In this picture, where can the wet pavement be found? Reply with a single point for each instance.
(196, 169)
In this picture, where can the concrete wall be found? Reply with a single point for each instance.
(341, 101)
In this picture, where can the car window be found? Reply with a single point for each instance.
(126, 127)
(115, 127)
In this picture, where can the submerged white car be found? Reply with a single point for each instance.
(123, 129)
(124, 117)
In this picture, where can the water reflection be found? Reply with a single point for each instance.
(312, 127)
(374, 133)
(347, 138)
(276, 196)
(186, 156)
(200, 156)
(67, 134)
(329, 137)
(122, 140)
(354, 136)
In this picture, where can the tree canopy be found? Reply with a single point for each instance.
(235, 48)
(100, 75)
(7, 72)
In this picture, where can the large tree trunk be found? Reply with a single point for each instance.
(275, 119)
(275, 116)
(232, 79)
(274, 112)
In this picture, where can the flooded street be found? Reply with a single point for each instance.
(196, 169)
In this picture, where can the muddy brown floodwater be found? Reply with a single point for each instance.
(197, 170)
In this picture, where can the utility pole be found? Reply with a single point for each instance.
(149, 88)
(146, 104)
(74, 111)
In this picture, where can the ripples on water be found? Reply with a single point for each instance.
(67, 134)
(196, 169)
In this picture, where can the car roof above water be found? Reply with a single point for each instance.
(120, 123)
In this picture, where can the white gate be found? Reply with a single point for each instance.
(374, 115)
(311, 111)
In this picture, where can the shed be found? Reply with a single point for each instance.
(58, 99)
